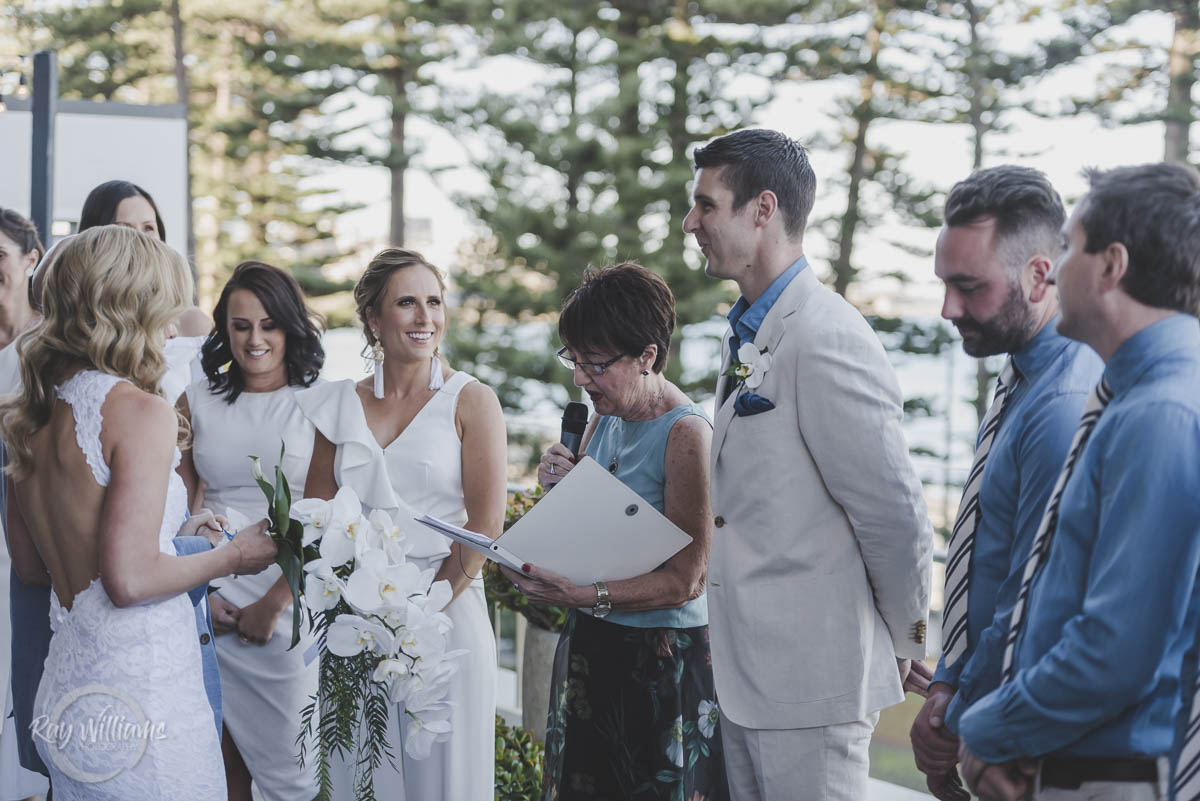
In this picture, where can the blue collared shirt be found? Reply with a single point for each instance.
(1055, 375)
(746, 318)
(1114, 609)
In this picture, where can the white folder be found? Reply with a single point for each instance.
(590, 527)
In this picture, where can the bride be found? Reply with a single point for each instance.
(94, 503)
(422, 438)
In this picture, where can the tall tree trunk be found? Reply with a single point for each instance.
(398, 156)
(983, 376)
(183, 93)
(843, 266)
(1181, 69)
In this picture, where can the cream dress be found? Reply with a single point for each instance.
(263, 687)
(422, 468)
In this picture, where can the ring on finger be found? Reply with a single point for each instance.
(245, 641)
(552, 471)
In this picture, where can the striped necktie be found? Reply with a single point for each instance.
(1187, 771)
(962, 539)
(1092, 410)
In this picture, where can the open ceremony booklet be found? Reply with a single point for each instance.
(590, 527)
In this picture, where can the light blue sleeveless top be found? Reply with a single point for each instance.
(639, 450)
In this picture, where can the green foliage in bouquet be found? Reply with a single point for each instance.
(287, 533)
(500, 590)
(519, 764)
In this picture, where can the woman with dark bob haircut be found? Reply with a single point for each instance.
(271, 343)
(127, 204)
(633, 709)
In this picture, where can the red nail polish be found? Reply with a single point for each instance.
(525, 567)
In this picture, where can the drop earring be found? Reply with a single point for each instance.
(377, 357)
(435, 372)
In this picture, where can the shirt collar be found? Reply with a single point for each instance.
(1040, 352)
(1138, 353)
(746, 318)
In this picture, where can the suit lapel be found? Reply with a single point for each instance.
(769, 335)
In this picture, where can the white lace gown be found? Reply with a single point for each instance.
(423, 469)
(263, 687)
(121, 708)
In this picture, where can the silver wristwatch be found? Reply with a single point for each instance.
(603, 603)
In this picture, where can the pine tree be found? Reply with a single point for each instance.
(589, 166)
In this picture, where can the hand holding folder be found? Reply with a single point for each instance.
(590, 528)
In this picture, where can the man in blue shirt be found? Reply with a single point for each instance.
(994, 255)
(1099, 649)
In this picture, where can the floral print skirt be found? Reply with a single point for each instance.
(633, 715)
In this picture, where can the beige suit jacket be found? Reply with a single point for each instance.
(820, 568)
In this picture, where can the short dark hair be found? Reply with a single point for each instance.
(24, 233)
(757, 159)
(1028, 211)
(283, 300)
(1154, 211)
(100, 207)
(370, 289)
(622, 308)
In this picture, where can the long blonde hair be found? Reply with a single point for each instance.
(108, 297)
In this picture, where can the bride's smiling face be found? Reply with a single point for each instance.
(411, 316)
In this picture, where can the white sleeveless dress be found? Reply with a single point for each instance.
(423, 469)
(127, 684)
(263, 687)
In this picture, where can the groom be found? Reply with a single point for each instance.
(818, 583)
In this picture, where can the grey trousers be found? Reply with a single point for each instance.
(825, 763)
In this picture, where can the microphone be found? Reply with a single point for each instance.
(574, 421)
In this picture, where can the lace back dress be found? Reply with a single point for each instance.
(121, 711)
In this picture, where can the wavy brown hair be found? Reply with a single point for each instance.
(109, 295)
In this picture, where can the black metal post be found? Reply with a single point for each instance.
(45, 103)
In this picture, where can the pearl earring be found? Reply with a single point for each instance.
(645, 372)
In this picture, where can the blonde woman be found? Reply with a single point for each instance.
(94, 504)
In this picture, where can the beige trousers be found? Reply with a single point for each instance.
(825, 763)
(1109, 791)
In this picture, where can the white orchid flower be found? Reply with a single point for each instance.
(350, 635)
(429, 724)
(376, 584)
(344, 540)
(322, 589)
(388, 671)
(387, 535)
(320, 517)
(752, 365)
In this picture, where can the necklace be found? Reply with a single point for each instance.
(612, 466)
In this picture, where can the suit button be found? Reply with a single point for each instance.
(719, 521)
(204, 638)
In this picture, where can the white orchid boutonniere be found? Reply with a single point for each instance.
(749, 366)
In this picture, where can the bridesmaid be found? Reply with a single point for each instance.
(272, 344)
(424, 438)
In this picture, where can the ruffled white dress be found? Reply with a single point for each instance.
(422, 468)
(263, 687)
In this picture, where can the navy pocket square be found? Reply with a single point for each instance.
(748, 404)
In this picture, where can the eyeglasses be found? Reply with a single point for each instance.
(587, 367)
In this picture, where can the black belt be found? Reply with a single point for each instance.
(1067, 773)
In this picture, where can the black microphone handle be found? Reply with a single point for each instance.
(572, 442)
